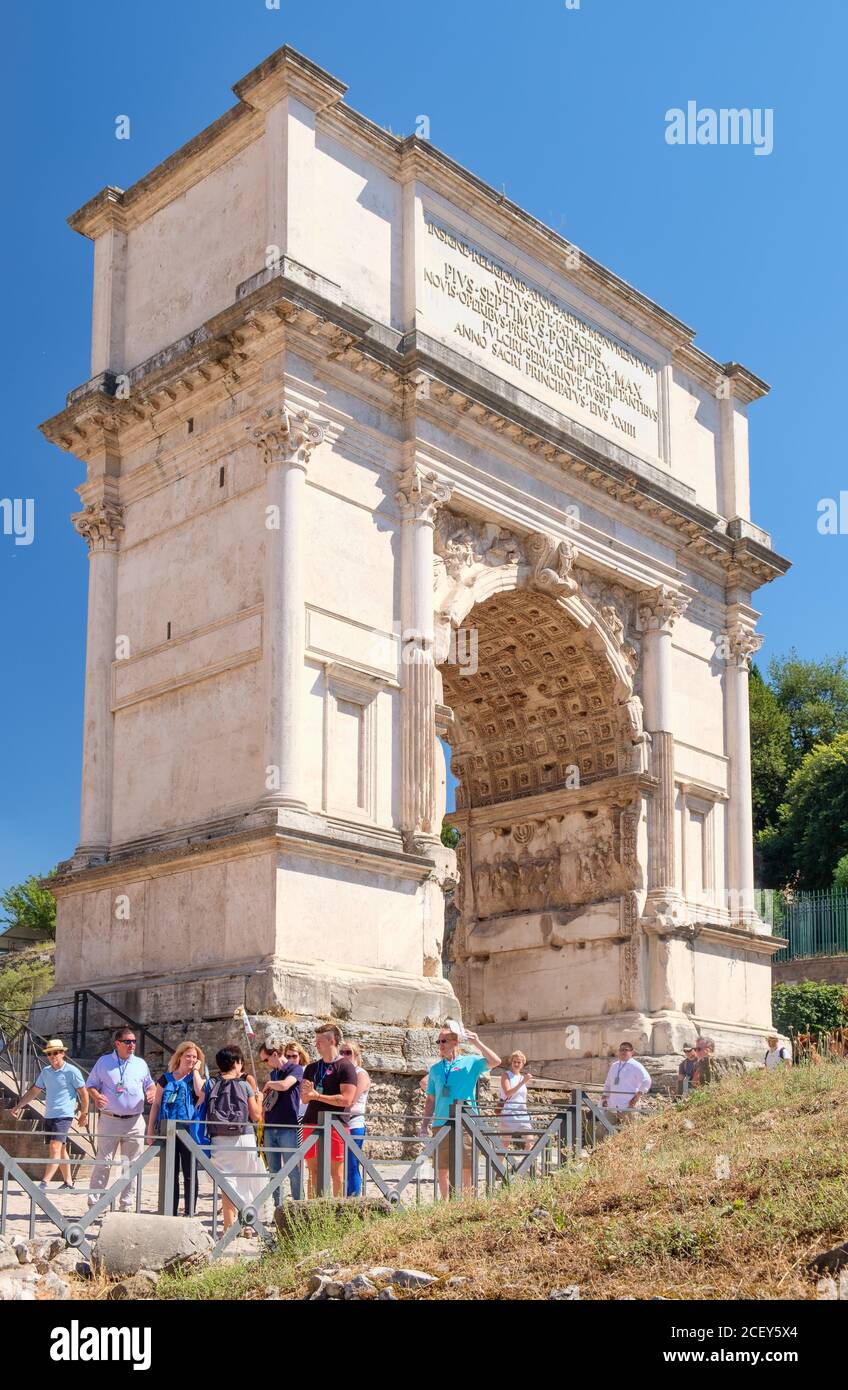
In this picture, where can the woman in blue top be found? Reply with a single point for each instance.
(179, 1092)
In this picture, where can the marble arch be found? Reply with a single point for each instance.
(344, 399)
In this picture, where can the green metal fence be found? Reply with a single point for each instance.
(815, 923)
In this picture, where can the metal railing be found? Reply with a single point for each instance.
(815, 923)
(79, 1035)
(22, 1052)
(467, 1154)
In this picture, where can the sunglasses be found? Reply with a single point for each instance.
(54, 1053)
(444, 1041)
(128, 1042)
(345, 1052)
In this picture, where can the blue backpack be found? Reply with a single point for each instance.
(178, 1102)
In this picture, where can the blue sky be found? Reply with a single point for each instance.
(565, 109)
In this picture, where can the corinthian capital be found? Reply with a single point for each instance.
(286, 436)
(100, 524)
(420, 494)
(658, 609)
(742, 643)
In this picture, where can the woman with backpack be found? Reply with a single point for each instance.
(180, 1092)
(232, 1110)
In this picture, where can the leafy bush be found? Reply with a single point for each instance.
(840, 875)
(27, 976)
(809, 1007)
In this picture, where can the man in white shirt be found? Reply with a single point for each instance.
(776, 1056)
(627, 1081)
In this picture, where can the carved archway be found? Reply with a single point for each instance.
(546, 732)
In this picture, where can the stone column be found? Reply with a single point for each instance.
(658, 611)
(742, 642)
(287, 441)
(419, 495)
(100, 523)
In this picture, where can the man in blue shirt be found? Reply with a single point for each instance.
(454, 1078)
(64, 1087)
(119, 1084)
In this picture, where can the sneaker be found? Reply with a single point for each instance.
(66, 1187)
(43, 1186)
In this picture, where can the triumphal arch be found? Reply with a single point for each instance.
(376, 464)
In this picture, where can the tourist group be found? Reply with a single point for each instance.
(224, 1115)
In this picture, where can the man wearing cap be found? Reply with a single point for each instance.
(119, 1084)
(64, 1087)
(776, 1056)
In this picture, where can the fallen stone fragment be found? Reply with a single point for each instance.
(15, 1291)
(8, 1253)
(51, 1284)
(380, 1272)
(387, 1295)
(67, 1261)
(138, 1286)
(458, 1279)
(130, 1241)
(569, 1294)
(412, 1279)
(359, 1286)
(830, 1260)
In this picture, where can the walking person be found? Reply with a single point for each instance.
(627, 1081)
(328, 1084)
(180, 1091)
(232, 1110)
(514, 1119)
(454, 1078)
(118, 1085)
(355, 1116)
(281, 1101)
(64, 1088)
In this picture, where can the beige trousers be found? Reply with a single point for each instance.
(114, 1137)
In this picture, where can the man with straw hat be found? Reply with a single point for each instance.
(64, 1087)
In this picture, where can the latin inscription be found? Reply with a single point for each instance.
(529, 336)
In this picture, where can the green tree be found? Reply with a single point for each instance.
(450, 835)
(771, 751)
(814, 695)
(28, 904)
(840, 875)
(809, 1007)
(811, 835)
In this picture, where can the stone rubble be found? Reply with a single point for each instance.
(331, 1282)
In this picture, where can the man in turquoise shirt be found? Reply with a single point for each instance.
(454, 1078)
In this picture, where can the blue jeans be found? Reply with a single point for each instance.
(354, 1167)
(282, 1137)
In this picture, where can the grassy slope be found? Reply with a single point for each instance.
(646, 1215)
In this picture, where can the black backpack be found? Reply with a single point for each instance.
(226, 1111)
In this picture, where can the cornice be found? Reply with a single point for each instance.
(287, 72)
(425, 377)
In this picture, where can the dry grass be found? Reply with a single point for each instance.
(649, 1214)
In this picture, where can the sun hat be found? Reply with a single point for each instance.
(54, 1045)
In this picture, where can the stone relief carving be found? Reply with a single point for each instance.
(100, 524)
(743, 643)
(286, 436)
(551, 564)
(563, 860)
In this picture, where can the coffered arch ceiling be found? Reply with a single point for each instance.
(543, 701)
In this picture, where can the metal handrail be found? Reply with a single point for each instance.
(80, 1024)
